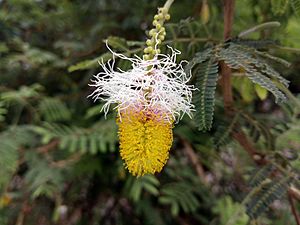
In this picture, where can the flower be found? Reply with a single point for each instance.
(145, 141)
(149, 98)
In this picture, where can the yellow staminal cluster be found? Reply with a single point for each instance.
(145, 141)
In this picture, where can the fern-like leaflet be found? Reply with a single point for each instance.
(253, 63)
(263, 195)
(205, 68)
(100, 137)
(54, 109)
(10, 142)
(296, 6)
(179, 195)
(261, 174)
(134, 187)
(3, 111)
(279, 6)
(224, 130)
(254, 66)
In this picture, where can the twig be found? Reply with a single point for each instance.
(295, 192)
(290, 95)
(242, 139)
(74, 217)
(111, 204)
(228, 17)
(239, 136)
(284, 48)
(182, 221)
(189, 40)
(293, 207)
(227, 88)
(22, 213)
(50, 146)
(188, 149)
(63, 163)
(259, 27)
(225, 70)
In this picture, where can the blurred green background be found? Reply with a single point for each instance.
(59, 160)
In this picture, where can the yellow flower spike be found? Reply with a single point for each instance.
(145, 141)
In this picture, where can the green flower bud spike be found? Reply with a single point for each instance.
(158, 33)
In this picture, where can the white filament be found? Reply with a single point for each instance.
(157, 84)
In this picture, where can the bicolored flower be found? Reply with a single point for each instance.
(149, 98)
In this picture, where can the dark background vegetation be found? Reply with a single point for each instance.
(59, 161)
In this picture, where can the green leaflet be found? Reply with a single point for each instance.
(3, 111)
(205, 69)
(116, 43)
(226, 208)
(250, 61)
(91, 63)
(296, 6)
(134, 187)
(258, 130)
(261, 174)
(261, 92)
(10, 142)
(279, 6)
(224, 131)
(205, 98)
(101, 137)
(53, 109)
(263, 195)
(179, 195)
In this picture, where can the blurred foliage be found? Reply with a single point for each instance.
(59, 155)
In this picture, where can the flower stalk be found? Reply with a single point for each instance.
(158, 33)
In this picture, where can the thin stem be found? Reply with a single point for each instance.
(295, 192)
(228, 18)
(225, 70)
(157, 34)
(240, 136)
(242, 139)
(293, 208)
(227, 88)
(290, 95)
(295, 50)
(168, 4)
(190, 40)
(259, 27)
(187, 147)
